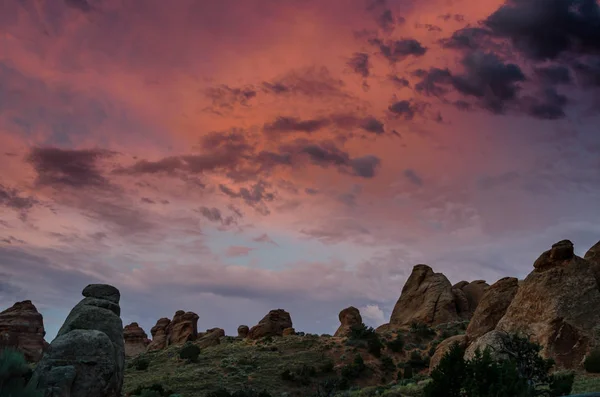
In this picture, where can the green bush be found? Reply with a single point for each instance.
(387, 364)
(327, 366)
(362, 333)
(301, 375)
(422, 331)
(156, 388)
(407, 373)
(397, 344)
(190, 352)
(416, 361)
(239, 393)
(141, 363)
(592, 362)
(14, 375)
(355, 369)
(150, 393)
(524, 374)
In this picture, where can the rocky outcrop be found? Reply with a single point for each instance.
(557, 304)
(87, 357)
(159, 335)
(494, 340)
(288, 332)
(444, 347)
(272, 324)
(474, 292)
(183, 328)
(349, 317)
(426, 298)
(462, 303)
(243, 331)
(211, 337)
(136, 340)
(22, 328)
(492, 307)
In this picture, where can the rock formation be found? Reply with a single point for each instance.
(136, 340)
(444, 347)
(87, 357)
(183, 328)
(492, 307)
(474, 291)
(22, 328)
(349, 317)
(557, 304)
(243, 331)
(272, 324)
(211, 337)
(494, 340)
(288, 331)
(426, 298)
(159, 334)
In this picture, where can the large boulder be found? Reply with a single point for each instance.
(272, 324)
(159, 334)
(212, 337)
(22, 328)
(183, 328)
(557, 305)
(349, 317)
(136, 340)
(426, 298)
(87, 358)
(444, 347)
(494, 341)
(492, 307)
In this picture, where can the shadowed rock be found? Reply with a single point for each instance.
(349, 317)
(22, 328)
(272, 324)
(444, 347)
(183, 328)
(159, 334)
(136, 340)
(243, 331)
(87, 357)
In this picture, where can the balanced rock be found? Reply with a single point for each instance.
(243, 331)
(444, 347)
(159, 334)
(557, 304)
(87, 358)
(426, 298)
(183, 328)
(22, 328)
(136, 340)
(492, 307)
(349, 317)
(272, 324)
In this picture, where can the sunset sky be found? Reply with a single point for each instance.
(235, 156)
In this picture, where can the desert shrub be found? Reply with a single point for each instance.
(239, 393)
(416, 361)
(14, 375)
(156, 389)
(422, 331)
(355, 369)
(524, 374)
(301, 375)
(397, 344)
(325, 336)
(592, 362)
(141, 363)
(387, 364)
(407, 373)
(189, 352)
(359, 333)
(327, 366)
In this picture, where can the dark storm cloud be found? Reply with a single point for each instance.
(66, 167)
(486, 78)
(359, 62)
(545, 29)
(469, 38)
(255, 196)
(413, 177)
(399, 82)
(12, 198)
(396, 50)
(292, 124)
(403, 108)
(555, 74)
(214, 215)
(587, 71)
(228, 141)
(549, 105)
(371, 124)
(365, 166)
(310, 82)
(227, 97)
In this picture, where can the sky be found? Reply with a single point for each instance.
(236, 156)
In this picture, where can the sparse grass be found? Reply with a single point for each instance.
(586, 383)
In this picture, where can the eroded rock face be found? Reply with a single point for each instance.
(492, 307)
(494, 340)
(444, 347)
(349, 317)
(474, 292)
(159, 335)
(272, 324)
(288, 332)
(183, 328)
(243, 331)
(136, 340)
(426, 298)
(22, 328)
(212, 337)
(557, 304)
(87, 358)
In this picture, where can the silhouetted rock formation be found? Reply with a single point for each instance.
(22, 328)
(243, 331)
(492, 307)
(183, 328)
(272, 324)
(349, 317)
(87, 357)
(136, 340)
